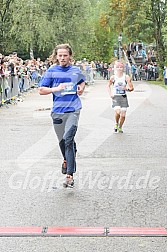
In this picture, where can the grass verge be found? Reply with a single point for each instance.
(159, 83)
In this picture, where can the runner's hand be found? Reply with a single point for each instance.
(60, 87)
(80, 90)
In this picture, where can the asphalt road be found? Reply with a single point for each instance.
(120, 179)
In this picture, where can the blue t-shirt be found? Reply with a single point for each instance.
(65, 100)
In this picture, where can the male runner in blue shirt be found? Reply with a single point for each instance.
(66, 82)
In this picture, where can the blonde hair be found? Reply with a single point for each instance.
(119, 62)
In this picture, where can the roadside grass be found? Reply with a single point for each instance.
(159, 83)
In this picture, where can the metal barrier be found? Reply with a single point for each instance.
(90, 76)
(95, 74)
(11, 87)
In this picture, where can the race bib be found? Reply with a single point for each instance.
(70, 88)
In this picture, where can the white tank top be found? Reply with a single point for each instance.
(119, 84)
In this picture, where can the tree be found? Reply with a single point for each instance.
(30, 26)
(158, 12)
(72, 24)
(90, 26)
(102, 45)
(41, 25)
(141, 20)
(5, 24)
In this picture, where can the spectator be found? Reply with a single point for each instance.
(165, 75)
(134, 72)
(140, 68)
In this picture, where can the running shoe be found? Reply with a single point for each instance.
(116, 128)
(69, 182)
(120, 130)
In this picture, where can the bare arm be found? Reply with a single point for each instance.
(130, 84)
(109, 86)
(48, 90)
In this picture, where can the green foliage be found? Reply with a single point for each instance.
(159, 82)
(41, 25)
(5, 24)
(31, 27)
(90, 26)
(158, 12)
(141, 20)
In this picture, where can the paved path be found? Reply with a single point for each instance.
(121, 178)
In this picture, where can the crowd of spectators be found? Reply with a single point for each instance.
(12, 65)
(17, 75)
(31, 70)
(95, 69)
(144, 65)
